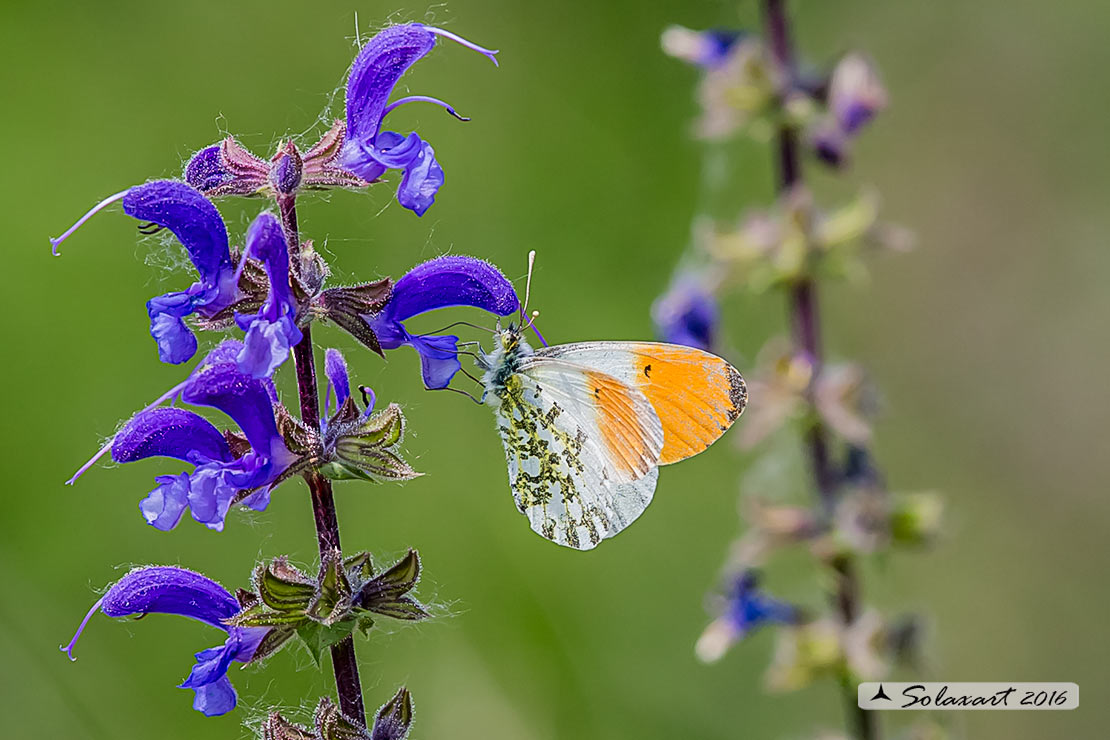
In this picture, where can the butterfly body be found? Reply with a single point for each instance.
(586, 426)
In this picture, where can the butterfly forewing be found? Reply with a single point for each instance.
(582, 449)
(695, 394)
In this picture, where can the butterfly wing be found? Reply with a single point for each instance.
(582, 450)
(696, 395)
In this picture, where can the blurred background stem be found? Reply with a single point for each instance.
(805, 329)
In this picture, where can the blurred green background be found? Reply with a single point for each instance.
(989, 342)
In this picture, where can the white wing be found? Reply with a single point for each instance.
(582, 450)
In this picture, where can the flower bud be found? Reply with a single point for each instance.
(286, 169)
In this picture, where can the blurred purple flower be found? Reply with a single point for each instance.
(855, 96)
(687, 314)
(170, 590)
(221, 473)
(704, 49)
(272, 331)
(441, 283)
(746, 609)
(367, 150)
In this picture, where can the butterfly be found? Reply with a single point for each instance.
(587, 425)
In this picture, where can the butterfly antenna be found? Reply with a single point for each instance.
(532, 325)
(528, 284)
(460, 323)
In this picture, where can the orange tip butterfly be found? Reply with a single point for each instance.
(587, 425)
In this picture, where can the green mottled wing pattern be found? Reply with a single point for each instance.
(560, 475)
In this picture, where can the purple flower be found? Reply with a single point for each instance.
(197, 225)
(747, 608)
(169, 590)
(687, 314)
(367, 150)
(440, 283)
(335, 368)
(706, 49)
(221, 473)
(339, 381)
(272, 331)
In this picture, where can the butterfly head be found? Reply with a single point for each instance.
(510, 342)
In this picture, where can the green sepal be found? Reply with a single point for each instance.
(332, 602)
(336, 470)
(274, 640)
(359, 567)
(402, 576)
(282, 587)
(331, 724)
(403, 608)
(260, 616)
(385, 593)
(346, 306)
(396, 713)
(361, 448)
(277, 727)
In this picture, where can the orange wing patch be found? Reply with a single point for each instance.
(625, 436)
(696, 395)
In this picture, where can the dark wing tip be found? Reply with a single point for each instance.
(737, 393)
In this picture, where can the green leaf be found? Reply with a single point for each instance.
(364, 624)
(319, 638)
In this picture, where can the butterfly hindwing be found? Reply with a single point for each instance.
(695, 394)
(582, 449)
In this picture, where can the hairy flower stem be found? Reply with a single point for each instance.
(343, 659)
(806, 333)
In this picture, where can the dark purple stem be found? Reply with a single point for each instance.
(806, 332)
(343, 659)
